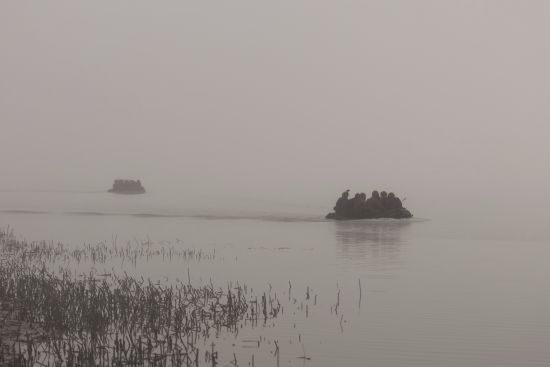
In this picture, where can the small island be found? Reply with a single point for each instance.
(379, 205)
(127, 187)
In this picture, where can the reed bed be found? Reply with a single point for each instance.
(51, 315)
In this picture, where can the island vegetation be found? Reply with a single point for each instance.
(379, 205)
(127, 187)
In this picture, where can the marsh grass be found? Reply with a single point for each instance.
(52, 315)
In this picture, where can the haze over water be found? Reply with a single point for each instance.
(245, 120)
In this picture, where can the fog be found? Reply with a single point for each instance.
(444, 102)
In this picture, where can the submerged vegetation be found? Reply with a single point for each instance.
(52, 315)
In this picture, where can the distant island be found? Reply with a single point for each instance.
(127, 187)
(379, 205)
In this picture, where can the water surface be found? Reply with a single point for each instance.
(444, 291)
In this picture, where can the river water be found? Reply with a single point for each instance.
(446, 291)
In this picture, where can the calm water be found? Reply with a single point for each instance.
(446, 291)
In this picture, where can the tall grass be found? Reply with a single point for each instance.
(57, 317)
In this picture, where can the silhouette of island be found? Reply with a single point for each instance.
(127, 187)
(379, 205)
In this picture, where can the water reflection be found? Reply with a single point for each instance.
(357, 238)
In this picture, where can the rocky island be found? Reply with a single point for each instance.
(127, 187)
(379, 205)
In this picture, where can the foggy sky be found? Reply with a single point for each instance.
(436, 100)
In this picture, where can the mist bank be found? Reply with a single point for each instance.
(444, 103)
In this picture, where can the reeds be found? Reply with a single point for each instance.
(56, 317)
